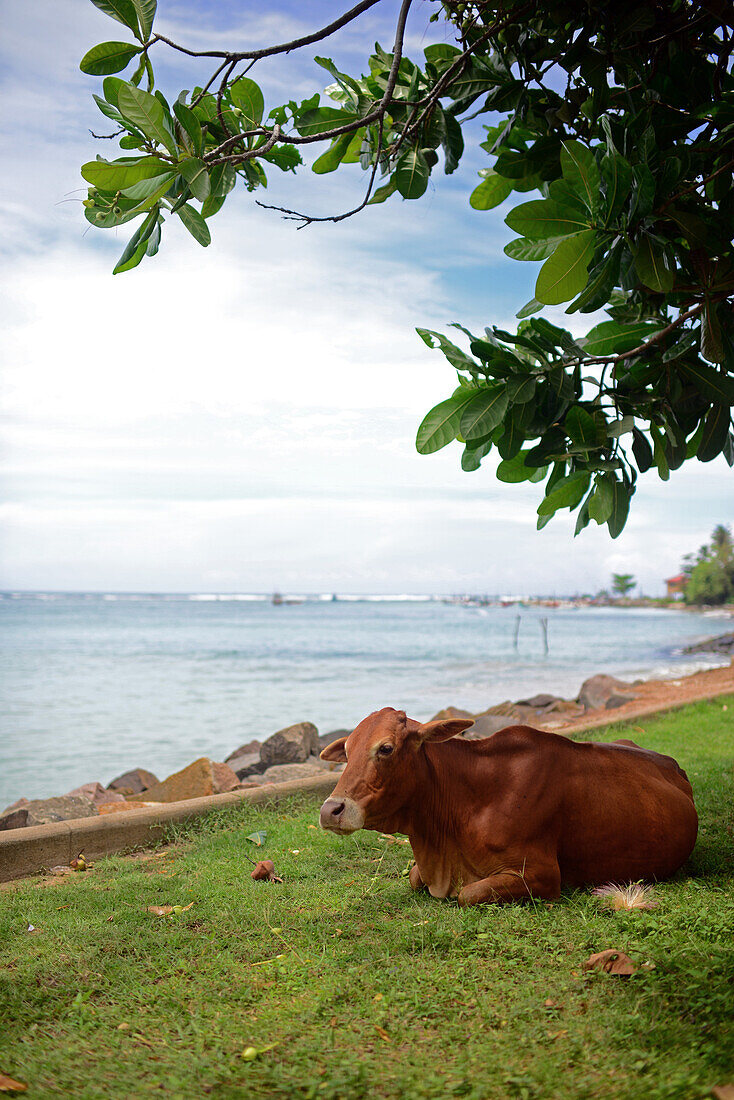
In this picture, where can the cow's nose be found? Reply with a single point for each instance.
(331, 811)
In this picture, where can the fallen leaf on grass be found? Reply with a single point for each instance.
(390, 839)
(723, 1092)
(556, 1034)
(60, 907)
(251, 1053)
(111, 917)
(633, 896)
(264, 962)
(167, 910)
(123, 1027)
(611, 962)
(60, 869)
(7, 1084)
(265, 869)
(258, 838)
(383, 1034)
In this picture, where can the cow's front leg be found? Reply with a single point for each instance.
(414, 878)
(513, 886)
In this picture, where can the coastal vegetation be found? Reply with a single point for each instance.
(342, 982)
(613, 124)
(710, 572)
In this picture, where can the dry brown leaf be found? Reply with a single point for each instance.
(556, 1034)
(611, 961)
(383, 1034)
(160, 910)
(59, 869)
(7, 1084)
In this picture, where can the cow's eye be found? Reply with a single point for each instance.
(385, 750)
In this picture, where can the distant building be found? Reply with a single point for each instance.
(676, 585)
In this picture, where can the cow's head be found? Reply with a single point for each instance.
(382, 758)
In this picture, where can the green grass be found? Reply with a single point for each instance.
(367, 988)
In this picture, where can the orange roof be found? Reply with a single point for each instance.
(679, 579)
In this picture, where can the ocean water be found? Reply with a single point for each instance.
(92, 685)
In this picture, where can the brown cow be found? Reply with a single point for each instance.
(514, 815)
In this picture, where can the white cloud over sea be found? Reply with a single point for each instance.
(243, 417)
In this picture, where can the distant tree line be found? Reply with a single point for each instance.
(710, 571)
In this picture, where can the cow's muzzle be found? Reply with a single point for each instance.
(341, 815)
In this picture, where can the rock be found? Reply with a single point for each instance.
(292, 745)
(597, 689)
(618, 699)
(44, 811)
(506, 708)
(133, 782)
(203, 777)
(96, 794)
(121, 807)
(247, 764)
(720, 643)
(326, 739)
(451, 712)
(284, 773)
(487, 724)
(541, 701)
(243, 750)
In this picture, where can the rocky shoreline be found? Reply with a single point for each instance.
(293, 752)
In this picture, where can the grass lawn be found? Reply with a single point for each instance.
(366, 989)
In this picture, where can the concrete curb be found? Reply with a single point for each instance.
(36, 848)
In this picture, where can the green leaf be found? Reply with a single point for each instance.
(544, 218)
(384, 192)
(621, 496)
(147, 113)
(195, 224)
(566, 493)
(411, 174)
(581, 428)
(491, 192)
(317, 120)
(711, 383)
(580, 170)
(533, 306)
(659, 455)
(484, 412)
(641, 450)
(121, 10)
(711, 343)
(612, 338)
(565, 273)
(146, 189)
(601, 502)
(523, 248)
(258, 838)
(117, 175)
(195, 173)
(190, 125)
(440, 425)
(514, 470)
(654, 265)
(617, 175)
(108, 57)
(521, 389)
(137, 245)
(146, 14)
(247, 96)
(332, 158)
(715, 433)
(456, 357)
(472, 457)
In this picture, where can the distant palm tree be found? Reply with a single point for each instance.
(622, 583)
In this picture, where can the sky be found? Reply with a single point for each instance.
(243, 417)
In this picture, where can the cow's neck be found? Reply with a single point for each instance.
(436, 815)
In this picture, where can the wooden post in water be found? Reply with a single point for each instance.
(517, 632)
(544, 628)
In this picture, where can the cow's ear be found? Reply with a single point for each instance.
(443, 728)
(335, 751)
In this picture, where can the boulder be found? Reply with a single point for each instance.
(246, 764)
(720, 643)
(451, 712)
(96, 794)
(203, 777)
(598, 689)
(44, 811)
(133, 782)
(284, 773)
(487, 724)
(618, 699)
(326, 739)
(541, 701)
(292, 745)
(243, 750)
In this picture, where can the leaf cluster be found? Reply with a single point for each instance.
(618, 118)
